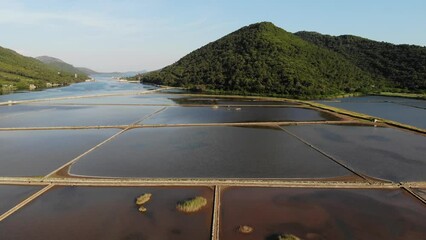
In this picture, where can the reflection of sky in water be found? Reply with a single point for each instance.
(403, 110)
(102, 85)
(176, 115)
(375, 151)
(55, 116)
(207, 152)
(314, 213)
(11, 195)
(110, 213)
(151, 98)
(37, 153)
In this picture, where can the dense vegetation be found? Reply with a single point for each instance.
(404, 65)
(192, 205)
(264, 59)
(19, 72)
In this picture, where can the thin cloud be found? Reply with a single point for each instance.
(80, 19)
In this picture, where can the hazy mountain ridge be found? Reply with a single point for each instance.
(60, 65)
(87, 71)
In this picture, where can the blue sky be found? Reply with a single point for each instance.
(126, 35)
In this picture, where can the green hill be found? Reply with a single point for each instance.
(267, 60)
(404, 65)
(60, 65)
(19, 72)
(87, 71)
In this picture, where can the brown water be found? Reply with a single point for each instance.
(10, 195)
(56, 116)
(37, 153)
(110, 213)
(207, 152)
(421, 192)
(385, 153)
(175, 115)
(321, 214)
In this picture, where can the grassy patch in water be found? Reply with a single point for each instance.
(192, 205)
(142, 199)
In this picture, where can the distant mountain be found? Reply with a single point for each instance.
(49, 60)
(267, 60)
(20, 72)
(87, 71)
(60, 65)
(123, 74)
(404, 65)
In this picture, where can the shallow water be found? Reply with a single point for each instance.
(176, 115)
(103, 85)
(162, 98)
(207, 152)
(403, 110)
(385, 153)
(110, 213)
(421, 192)
(321, 213)
(151, 98)
(55, 116)
(37, 153)
(11, 195)
(213, 100)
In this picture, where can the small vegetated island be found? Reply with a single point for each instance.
(262, 59)
(141, 200)
(192, 205)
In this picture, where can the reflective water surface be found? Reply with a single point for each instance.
(213, 100)
(207, 152)
(403, 110)
(321, 214)
(110, 213)
(55, 116)
(421, 192)
(385, 153)
(37, 153)
(11, 195)
(176, 115)
(103, 85)
(152, 98)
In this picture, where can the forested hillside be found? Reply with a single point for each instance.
(404, 65)
(60, 65)
(20, 72)
(267, 60)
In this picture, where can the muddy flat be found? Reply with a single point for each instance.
(110, 213)
(321, 214)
